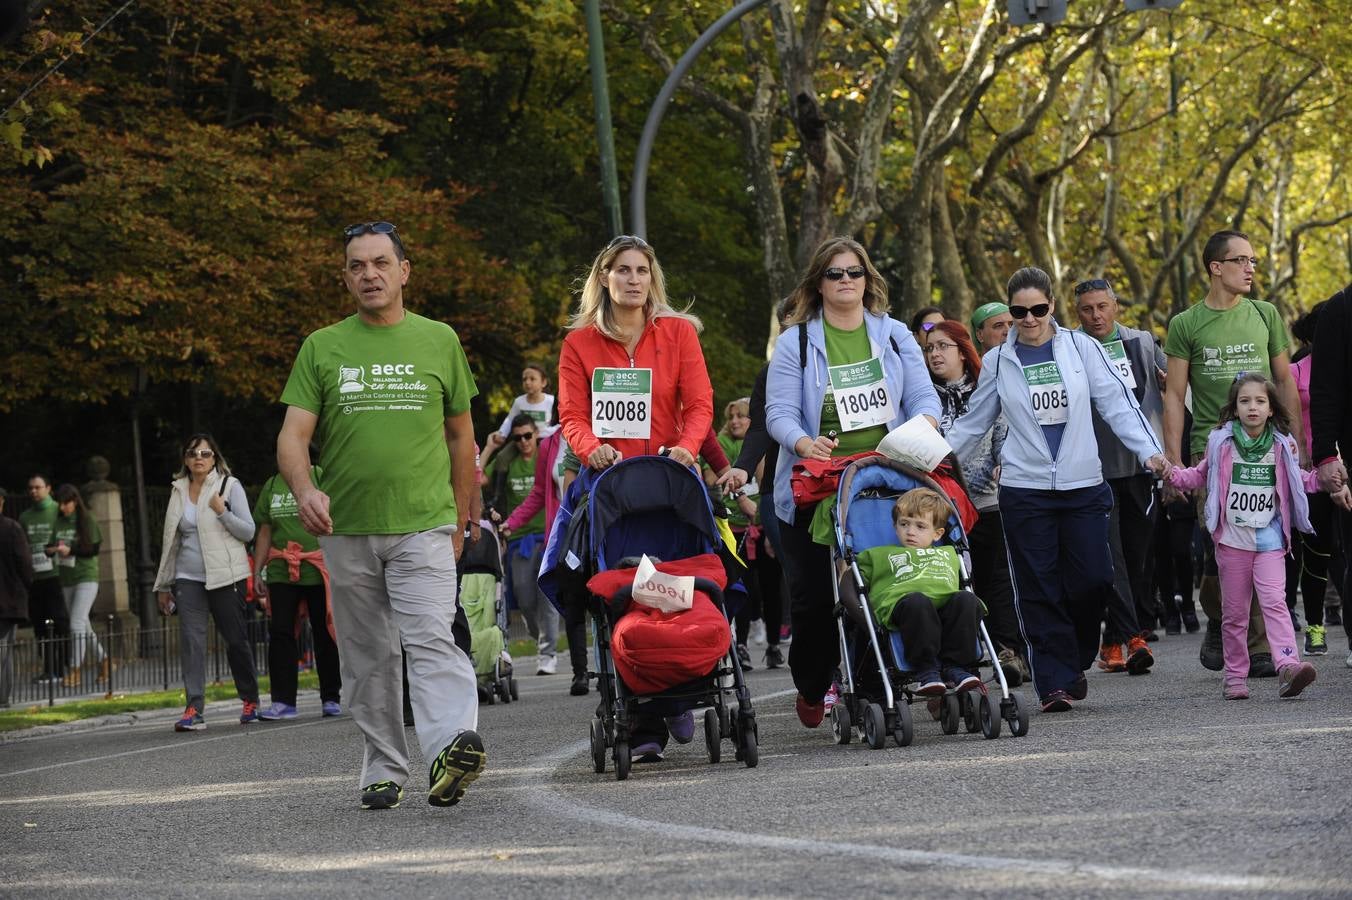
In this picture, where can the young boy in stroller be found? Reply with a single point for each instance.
(913, 589)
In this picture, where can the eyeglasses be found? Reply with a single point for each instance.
(523, 437)
(1037, 311)
(1093, 284)
(199, 454)
(940, 346)
(836, 273)
(1250, 261)
(361, 228)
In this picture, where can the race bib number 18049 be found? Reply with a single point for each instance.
(861, 395)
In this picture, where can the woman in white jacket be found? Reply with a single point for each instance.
(1054, 502)
(204, 567)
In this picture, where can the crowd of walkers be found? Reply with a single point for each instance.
(1109, 474)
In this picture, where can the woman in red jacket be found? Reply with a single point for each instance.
(631, 373)
(632, 381)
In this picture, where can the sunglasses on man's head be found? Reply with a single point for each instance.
(200, 454)
(836, 273)
(1093, 284)
(1037, 311)
(361, 228)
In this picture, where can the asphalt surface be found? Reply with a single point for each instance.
(1152, 787)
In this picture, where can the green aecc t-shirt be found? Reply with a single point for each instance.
(75, 570)
(843, 348)
(520, 482)
(382, 395)
(276, 508)
(1219, 344)
(891, 572)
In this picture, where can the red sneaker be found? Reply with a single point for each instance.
(832, 696)
(1139, 657)
(1111, 658)
(810, 714)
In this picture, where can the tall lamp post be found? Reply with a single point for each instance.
(610, 179)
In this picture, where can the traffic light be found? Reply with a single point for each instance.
(1034, 12)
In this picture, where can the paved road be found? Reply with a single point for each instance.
(1153, 787)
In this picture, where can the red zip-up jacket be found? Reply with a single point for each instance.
(683, 398)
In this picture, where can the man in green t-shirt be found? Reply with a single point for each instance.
(387, 393)
(45, 599)
(512, 479)
(1208, 345)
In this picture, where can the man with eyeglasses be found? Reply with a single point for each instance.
(512, 481)
(990, 325)
(388, 392)
(1138, 362)
(1209, 344)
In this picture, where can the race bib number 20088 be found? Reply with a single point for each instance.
(622, 403)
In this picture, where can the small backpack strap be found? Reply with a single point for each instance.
(802, 345)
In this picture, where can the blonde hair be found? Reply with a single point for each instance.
(923, 502)
(595, 306)
(742, 404)
(806, 300)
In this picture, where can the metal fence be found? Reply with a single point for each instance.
(138, 660)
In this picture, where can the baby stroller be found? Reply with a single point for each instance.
(876, 682)
(481, 596)
(648, 505)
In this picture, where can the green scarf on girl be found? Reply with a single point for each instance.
(1251, 449)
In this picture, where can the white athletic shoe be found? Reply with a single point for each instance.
(547, 665)
(757, 635)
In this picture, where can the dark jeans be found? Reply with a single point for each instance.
(46, 601)
(938, 637)
(1308, 563)
(7, 629)
(764, 601)
(1058, 545)
(1342, 525)
(770, 522)
(1131, 530)
(815, 651)
(990, 579)
(1173, 562)
(284, 649)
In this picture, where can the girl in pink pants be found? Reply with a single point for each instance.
(1255, 493)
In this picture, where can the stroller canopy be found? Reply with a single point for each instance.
(867, 492)
(652, 505)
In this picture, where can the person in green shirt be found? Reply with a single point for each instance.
(289, 576)
(46, 602)
(1208, 346)
(913, 589)
(74, 547)
(387, 391)
(512, 478)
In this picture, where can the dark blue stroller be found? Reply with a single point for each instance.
(652, 505)
(877, 684)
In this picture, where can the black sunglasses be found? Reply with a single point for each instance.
(361, 228)
(836, 273)
(1038, 311)
(1093, 284)
(522, 437)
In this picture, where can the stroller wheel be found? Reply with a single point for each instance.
(748, 737)
(1016, 714)
(505, 690)
(990, 722)
(598, 745)
(903, 732)
(971, 719)
(950, 717)
(840, 723)
(713, 738)
(622, 760)
(511, 686)
(875, 727)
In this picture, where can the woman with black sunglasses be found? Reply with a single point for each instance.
(1053, 499)
(843, 375)
(204, 571)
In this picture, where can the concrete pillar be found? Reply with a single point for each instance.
(104, 500)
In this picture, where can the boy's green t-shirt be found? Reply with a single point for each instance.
(1218, 345)
(842, 348)
(732, 448)
(276, 508)
(891, 572)
(520, 481)
(74, 570)
(39, 521)
(383, 395)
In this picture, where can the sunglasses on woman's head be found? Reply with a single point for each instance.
(836, 273)
(200, 454)
(1037, 311)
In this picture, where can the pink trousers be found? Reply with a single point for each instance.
(1244, 573)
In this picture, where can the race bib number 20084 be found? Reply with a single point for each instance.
(622, 403)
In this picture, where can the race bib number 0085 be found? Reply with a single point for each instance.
(1051, 403)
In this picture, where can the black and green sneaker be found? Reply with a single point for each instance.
(454, 768)
(381, 795)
